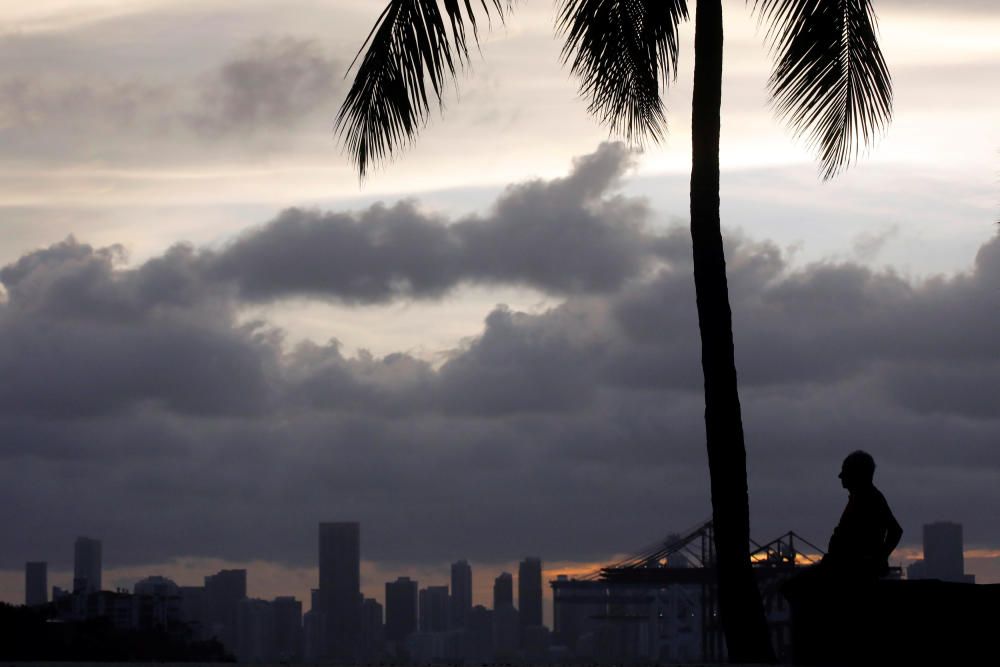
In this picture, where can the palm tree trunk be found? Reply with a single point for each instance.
(740, 606)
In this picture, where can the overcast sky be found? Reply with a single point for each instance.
(212, 336)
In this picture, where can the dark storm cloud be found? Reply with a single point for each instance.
(525, 364)
(79, 338)
(137, 407)
(166, 331)
(320, 377)
(566, 235)
(827, 322)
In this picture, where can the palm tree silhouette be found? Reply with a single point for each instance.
(829, 82)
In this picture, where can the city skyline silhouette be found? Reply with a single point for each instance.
(223, 616)
(215, 337)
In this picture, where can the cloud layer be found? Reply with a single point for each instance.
(137, 404)
(565, 236)
(267, 88)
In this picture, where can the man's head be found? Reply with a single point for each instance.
(858, 470)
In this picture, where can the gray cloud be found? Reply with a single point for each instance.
(868, 244)
(137, 407)
(37, 106)
(271, 85)
(80, 338)
(566, 235)
(276, 83)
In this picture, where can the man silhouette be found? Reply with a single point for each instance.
(832, 620)
(861, 543)
(868, 532)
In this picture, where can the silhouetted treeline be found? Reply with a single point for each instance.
(33, 633)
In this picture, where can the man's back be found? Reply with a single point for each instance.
(860, 542)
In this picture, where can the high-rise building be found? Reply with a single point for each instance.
(287, 629)
(340, 588)
(314, 599)
(254, 631)
(506, 632)
(400, 609)
(157, 602)
(503, 591)
(223, 593)
(86, 565)
(372, 631)
(943, 557)
(479, 635)
(529, 592)
(461, 594)
(193, 610)
(314, 630)
(434, 609)
(156, 586)
(36, 583)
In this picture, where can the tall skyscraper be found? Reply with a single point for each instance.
(434, 609)
(503, 591)
(254, 631)
(287, 629)
(400, 609)
(372, 631)
(193, 610)
(340, 588)
(461, 594)
(223, 593)
(86, 565)
(36, 583)
(506, 632)
(479, 635)
(314, 631)
(943, 557)
(529, 591)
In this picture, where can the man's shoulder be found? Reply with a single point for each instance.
(872, 497)
(877, 494)
(879, 501)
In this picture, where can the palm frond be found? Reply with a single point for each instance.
(624, 51)
(830, 80)
(410, 55)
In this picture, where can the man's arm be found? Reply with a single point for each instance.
(893, 533)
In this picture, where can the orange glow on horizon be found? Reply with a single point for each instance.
(916, 553)
(800, 558)
(574, 569)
